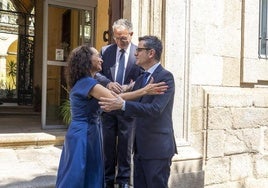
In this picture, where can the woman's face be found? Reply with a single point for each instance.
(96, 60)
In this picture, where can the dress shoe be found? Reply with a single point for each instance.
(123, 185)
(109, 185)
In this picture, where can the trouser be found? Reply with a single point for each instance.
(117, 143)
(151, 173)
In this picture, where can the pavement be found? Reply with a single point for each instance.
(29, 156)
(29, 167)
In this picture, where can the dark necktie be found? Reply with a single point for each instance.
(121, 67)
(145, 78)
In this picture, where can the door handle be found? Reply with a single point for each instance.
(106, 36)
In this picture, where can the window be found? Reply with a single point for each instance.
(255, 52)
(263, 34)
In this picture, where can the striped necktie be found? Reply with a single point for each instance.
(145, 78)
(121, 67)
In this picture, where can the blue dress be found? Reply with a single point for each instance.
(81, 163)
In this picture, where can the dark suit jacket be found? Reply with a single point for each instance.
(108, 54)
(154, 137)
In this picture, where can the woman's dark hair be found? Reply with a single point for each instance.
(79, 64)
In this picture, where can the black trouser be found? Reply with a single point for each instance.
(151, 173)
(117, 143)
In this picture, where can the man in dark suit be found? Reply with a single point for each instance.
(154, 143)
(118, 129)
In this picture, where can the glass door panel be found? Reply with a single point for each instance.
(67, 28)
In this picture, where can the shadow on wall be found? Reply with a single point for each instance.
(186, 174)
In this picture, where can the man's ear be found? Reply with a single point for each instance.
(151, 52)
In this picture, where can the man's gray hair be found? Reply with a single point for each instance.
(124, 23)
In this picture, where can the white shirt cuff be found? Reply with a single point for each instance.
(124, 106)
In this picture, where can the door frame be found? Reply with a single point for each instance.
(79, 4)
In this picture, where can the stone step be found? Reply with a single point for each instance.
(11, 109)
(25, 130)
(186, 169)
(14, 140)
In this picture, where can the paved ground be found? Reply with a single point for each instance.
(29, 167)
(28, 157)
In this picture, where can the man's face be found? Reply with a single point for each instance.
(122, 37)
(142, 55)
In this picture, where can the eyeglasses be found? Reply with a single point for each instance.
(122, 39)
(140, 49)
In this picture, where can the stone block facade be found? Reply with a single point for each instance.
(233, 123)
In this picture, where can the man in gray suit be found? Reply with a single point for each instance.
(119, 68)
(154, 143)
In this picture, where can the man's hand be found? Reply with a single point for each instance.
(109, 104)
(155, 88)
(127, 88)
(115, 87)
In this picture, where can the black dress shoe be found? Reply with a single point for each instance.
(109, 185)
(123, 185)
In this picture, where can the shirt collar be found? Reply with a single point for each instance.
(126, 50)
(152, 69)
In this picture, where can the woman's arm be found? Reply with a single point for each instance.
(149, 89)
(118, 102)
(99, 91)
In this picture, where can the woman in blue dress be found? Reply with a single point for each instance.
(81, 163)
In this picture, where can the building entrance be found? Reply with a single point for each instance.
(67, 27)
(16, 52)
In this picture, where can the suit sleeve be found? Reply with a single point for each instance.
(103, 80)
(155, 104)
(100, 77)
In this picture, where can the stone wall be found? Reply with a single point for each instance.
(220, 125)
(229, 127)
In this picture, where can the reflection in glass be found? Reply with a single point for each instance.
(67, 29)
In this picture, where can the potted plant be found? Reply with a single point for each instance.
(9, 91)
(12, 71)
(11, 77)
(65, 108)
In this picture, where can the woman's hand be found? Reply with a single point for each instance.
(115, 87)
(155, 88)
(127, 88)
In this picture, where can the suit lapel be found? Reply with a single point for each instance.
(131, 60)
(156, 72)
(138, 83)
(112, 60)
(112, 69)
